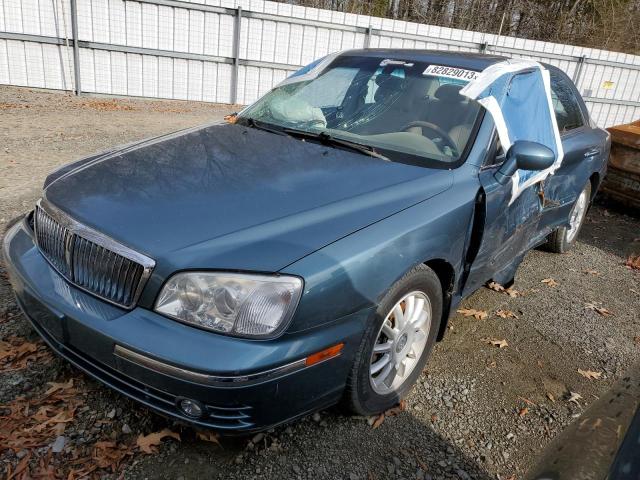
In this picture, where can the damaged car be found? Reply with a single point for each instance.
(239, 276)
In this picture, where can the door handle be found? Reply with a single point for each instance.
(592, 152)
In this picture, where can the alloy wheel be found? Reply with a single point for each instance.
(400, 342)
(577, 214)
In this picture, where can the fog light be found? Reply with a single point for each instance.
(191, 408)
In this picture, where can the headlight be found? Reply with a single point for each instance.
(234, 303)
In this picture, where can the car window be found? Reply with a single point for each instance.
(318, 95)
(372, 86)
(565, 104)
(408, 110)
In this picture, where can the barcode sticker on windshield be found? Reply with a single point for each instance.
(451, 72)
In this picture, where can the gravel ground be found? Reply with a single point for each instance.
(478, 411)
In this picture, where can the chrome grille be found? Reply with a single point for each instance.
(90, 260)
(52, 240)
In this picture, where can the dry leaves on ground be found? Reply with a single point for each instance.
(574, 397)
(477, 314)
(33, 425)
(633, 262)
(107, 105)
(506, 314)
(550, 282)
(599, 309)
(208, 436)
(496, 342)
(16, 353)
(495, 286)
(551, 397)
(523, 411)
(375, 422)
(147, 443)
(9, 106)
(29, 424)
(590, 374)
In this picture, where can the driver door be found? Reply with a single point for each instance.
(508, 231)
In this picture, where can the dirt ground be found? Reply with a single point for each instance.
(478, 411)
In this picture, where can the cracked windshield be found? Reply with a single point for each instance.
(404, 111)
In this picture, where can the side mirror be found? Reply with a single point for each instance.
(525, 155)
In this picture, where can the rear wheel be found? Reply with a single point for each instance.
(396, 344)
(563, 238)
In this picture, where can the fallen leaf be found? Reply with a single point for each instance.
(231, 118)
(528, 402)
(491, 364)
(512, 292)
(495, 286)
(599, 309)
(401, 407)
(434, 418)
(636, 340)
(633, 262)
(208, 436)
(477, 314)
(392, 412)
(496, 343)
(146, 443)
(20, 468)
(574, 397)
(590, 374)
(58, 386)
(506, 314)
(551, 397)
(523, 411)
(378, 421)
(16, 353)
(108, 454)
(550, 282)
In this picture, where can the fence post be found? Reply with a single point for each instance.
(578, 73)
(483, 47)
(76, 47)
(367, 37)
(236, 55)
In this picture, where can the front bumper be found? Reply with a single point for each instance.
(245, 385)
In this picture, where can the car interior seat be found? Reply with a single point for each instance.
(452, 112)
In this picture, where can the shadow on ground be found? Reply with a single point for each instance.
(612, 227)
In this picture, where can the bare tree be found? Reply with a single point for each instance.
(607, 24)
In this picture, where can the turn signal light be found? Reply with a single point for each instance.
(323, 355)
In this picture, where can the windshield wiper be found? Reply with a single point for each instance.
(253, 123)
(327, 139)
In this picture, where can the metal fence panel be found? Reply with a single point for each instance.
(207, 50)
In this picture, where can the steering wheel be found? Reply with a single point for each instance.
(445, 138)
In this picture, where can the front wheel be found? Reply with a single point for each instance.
(563, 238)
(396, 344)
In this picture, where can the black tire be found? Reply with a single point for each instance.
(360, 397)
(558, 241)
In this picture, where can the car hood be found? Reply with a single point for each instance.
(231, 197)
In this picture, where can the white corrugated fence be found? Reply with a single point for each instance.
(233, 51)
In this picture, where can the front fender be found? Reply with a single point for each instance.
(355, 272)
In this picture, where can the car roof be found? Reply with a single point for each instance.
(470, 60)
